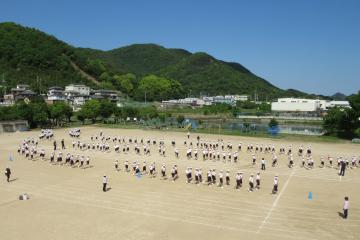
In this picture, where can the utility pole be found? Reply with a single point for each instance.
(3, 83)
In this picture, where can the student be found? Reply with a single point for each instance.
(346, 207)
(238, 180)
(251, 183)
(137, 170)
(176, 153)
(52, 156)
(258, 180)
(221, 181)
(196, 176)
(263, 164)
(227, 177)
(209, 175)
(163, 170)
(105, 181)
(7, 174)
(144, 168)
(126, 166)
(82, 159)
(276, 184)
(174, 173)
(274, 162)
(330, 161)
(213, 176)
(116, 163)
(188, 174)
(322, 162)
(342, 167)
(87, 161)
(291, 161)
(62, 144)
(200, 175)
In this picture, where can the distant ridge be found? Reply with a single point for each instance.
(339, 96)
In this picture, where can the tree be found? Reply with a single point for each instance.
(342, 122)
(40, 114)
(125, 82)
(24, 111)
(158, 88)
(246, 104)
(130, 112)
(81, 117)
(95, 67)
(106, 85)
(107, 108)
(90, 110)
(265, 107)
(105, 77)
(68, 111)
(148, 113)
(180, 119)
(355, 102)
(117, 113)
(162, 117)
(60, 110)
(273, 123)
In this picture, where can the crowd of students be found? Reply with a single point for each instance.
(196, 149)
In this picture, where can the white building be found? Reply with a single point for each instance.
(295, 105)
(306, 105)
(242, 98)
(56, 94)
(184, 102)
(343, 104)
(81, 89)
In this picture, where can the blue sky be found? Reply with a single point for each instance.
(310, 45)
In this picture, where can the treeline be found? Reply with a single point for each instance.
(40, 114)
(241, 107)
(344, 122)
(94, 109)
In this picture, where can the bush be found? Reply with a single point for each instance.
(273, 123)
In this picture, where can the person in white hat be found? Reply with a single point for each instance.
(105, 181)
(276, 185)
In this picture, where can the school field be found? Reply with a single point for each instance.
(68, 203)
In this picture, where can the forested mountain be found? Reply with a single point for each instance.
(27, 54)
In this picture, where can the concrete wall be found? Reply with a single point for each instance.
(13, 126)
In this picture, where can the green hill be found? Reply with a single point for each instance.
(198, 72)
(26, 53)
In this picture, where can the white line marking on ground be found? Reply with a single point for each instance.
(276, 200)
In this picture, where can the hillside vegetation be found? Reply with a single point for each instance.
(27, 54)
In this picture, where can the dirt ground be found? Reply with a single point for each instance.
(68, 203)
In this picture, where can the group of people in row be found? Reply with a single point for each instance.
(212, 177)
